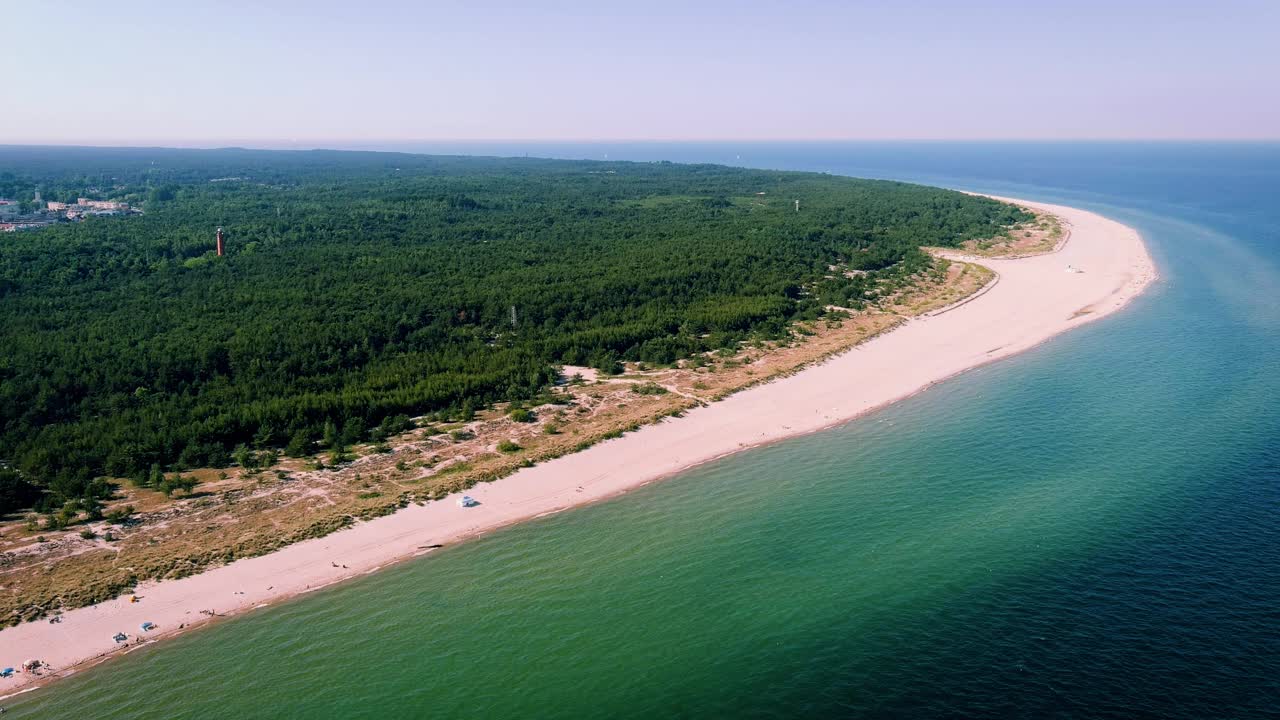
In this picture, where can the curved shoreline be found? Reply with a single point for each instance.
(1032, 300)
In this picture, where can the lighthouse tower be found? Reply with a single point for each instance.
(219, 237)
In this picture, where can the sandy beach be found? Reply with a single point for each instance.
(1033, 299)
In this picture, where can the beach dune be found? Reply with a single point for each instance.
(1032, 300)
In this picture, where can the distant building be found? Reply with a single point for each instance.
(102, 204)
(56, 205)
(12, 226)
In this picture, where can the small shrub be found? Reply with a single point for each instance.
(120, 516)
(88, 534)
(507, 446)
(521, 415)
(649, 388)
(455, 468)
(337, 454)
(170, 485)
(300, 445)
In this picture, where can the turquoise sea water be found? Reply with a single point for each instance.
(1090, 529)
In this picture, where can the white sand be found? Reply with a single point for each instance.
(1034, 299)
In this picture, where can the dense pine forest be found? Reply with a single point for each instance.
(359, 288)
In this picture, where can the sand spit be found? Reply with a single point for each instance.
(1102, 266)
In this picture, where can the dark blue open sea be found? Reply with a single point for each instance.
(1087, 530)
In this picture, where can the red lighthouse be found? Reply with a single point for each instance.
(219, 236)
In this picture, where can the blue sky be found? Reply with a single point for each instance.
(135, 71)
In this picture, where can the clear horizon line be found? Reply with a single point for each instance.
(318, 143)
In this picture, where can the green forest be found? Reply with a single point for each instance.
(362, 287)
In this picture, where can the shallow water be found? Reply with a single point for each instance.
(1090, 529)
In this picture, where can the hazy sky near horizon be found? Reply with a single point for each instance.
(147, 71)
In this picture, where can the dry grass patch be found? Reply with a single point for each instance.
(1039, 236)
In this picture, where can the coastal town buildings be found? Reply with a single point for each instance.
(16, 215)
(88, 204)
(13, 226)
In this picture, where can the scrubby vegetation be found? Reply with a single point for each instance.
(364, 288)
